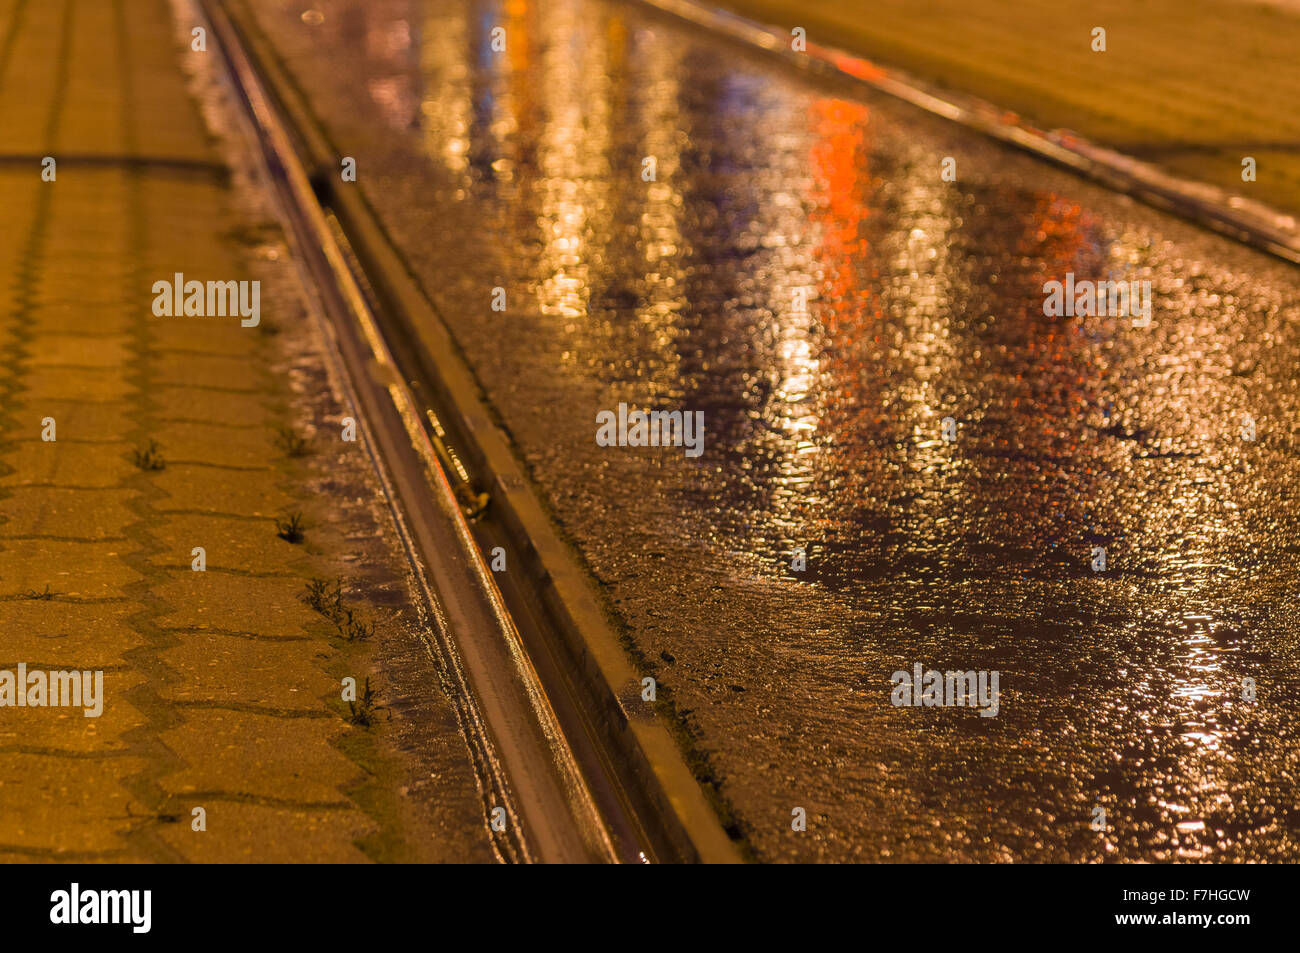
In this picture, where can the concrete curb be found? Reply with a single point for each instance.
(690, 826)
(1244, 220)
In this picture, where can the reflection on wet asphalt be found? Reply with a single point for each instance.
(1120, 689)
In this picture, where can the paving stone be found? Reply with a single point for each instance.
(220, 338)
(69, 463)
(62, 803)
(69, 350)
(54, 511)
(61, 311)
(79, 570)
(236, 834)
(232, 445)
(265, 756)
(242, 545)
(213, 600)
(104, 384)
(192, 403)
(69, 729)
(77, 420)
(63, 634)
(230, 670)
(194, 487)
(192, 370)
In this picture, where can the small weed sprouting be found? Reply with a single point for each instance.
(148, 457)
(352, 628)
(45, 596)
(325, 598)
(292, 443)
(361, 631)
(289, 528)
(365, 709)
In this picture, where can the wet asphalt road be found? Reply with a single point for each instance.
(1120, 689)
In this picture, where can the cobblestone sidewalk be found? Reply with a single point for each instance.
(222, 687)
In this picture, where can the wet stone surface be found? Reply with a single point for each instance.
(1120, 689)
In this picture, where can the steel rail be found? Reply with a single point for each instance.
(526, 764)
